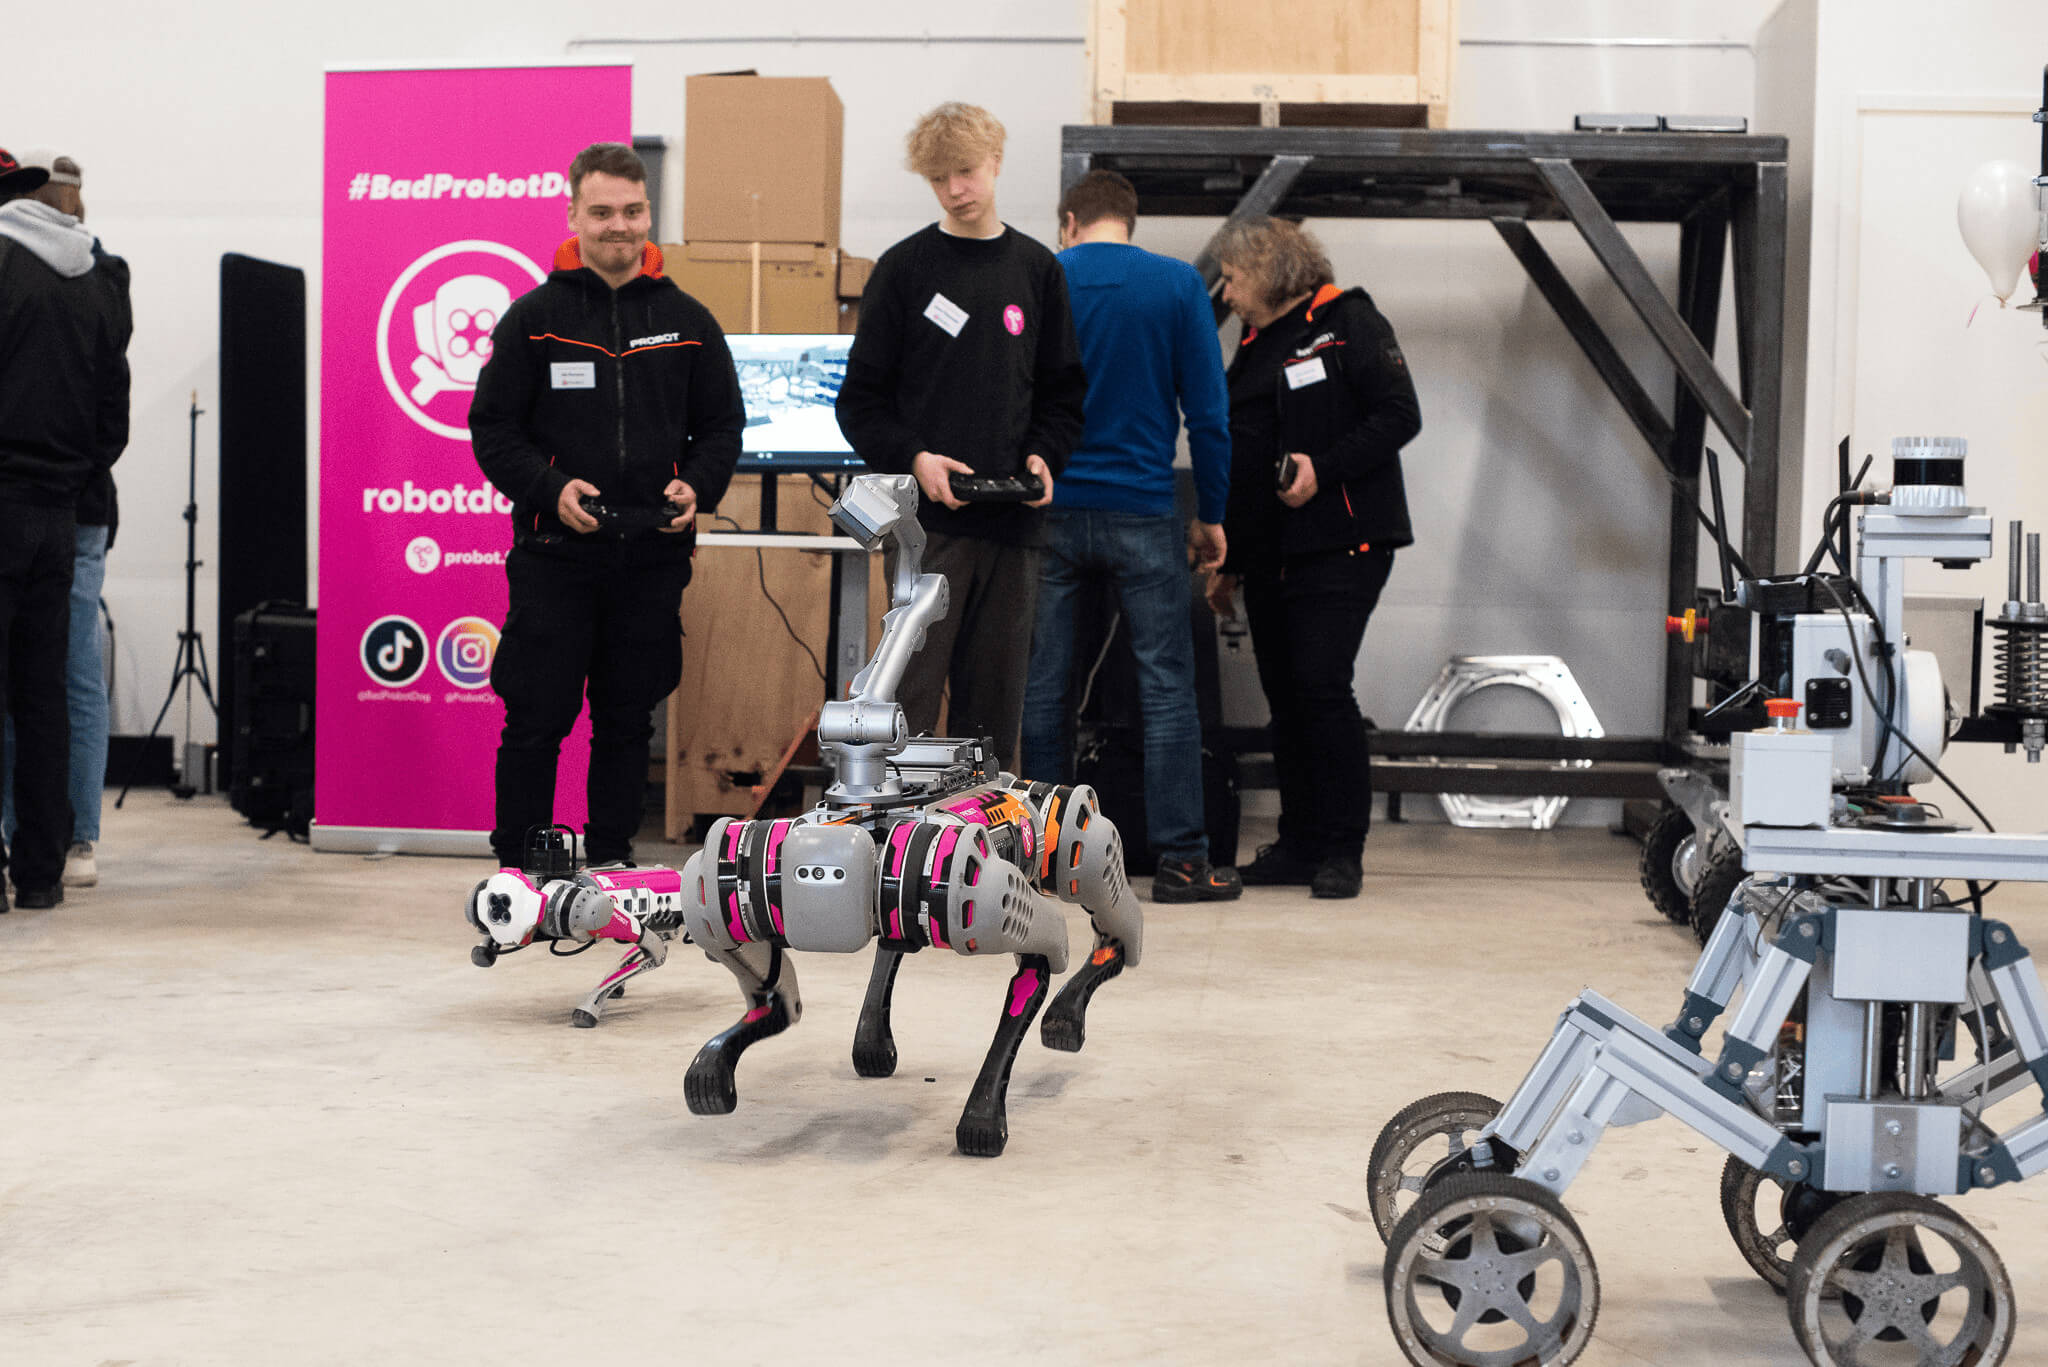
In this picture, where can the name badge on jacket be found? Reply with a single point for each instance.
(1304, 373)
(572, 375)
(946, 314)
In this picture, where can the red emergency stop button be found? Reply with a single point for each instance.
(1782, 708)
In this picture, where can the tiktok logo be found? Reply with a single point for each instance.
(394, 651)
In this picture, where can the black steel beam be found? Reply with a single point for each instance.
(1702, 246)
(1760, 225)
(1516, 780)
(1487, 745)
(1695, 367)
(1578, 320)
(1426, 147)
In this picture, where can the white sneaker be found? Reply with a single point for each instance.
(79, 869)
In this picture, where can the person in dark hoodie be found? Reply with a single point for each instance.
(605, 382)
(63, 421)
(85, 661)
(1321, 404)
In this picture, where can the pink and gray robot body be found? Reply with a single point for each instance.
(917, 844)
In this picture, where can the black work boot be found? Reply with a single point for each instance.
(1278, 866)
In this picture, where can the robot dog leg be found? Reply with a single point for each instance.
(1083, 862)
(639, 908)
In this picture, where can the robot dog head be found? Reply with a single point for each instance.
(507, 907)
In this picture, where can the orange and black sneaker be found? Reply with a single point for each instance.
(1193, 880)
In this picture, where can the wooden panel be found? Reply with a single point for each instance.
(1398, 52)
(1303, 37)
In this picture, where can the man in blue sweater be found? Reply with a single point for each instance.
(1148, 344)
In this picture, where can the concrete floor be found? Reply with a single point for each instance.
(259, 1108)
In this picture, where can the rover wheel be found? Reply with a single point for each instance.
(1718, 881)
(1670, 865)
(1421, 1135)
(1767, 1217)
(1893, 1277)
(1490, 1271)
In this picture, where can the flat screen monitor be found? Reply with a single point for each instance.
(789, 383)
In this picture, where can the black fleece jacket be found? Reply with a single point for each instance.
(1328, 380)
(627, 389)
(63, 376)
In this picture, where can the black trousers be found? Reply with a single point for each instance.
(37, 547)
(1308, 621)
(975, 658)
(608, 626)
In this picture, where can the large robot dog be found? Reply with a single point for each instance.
(917, 843)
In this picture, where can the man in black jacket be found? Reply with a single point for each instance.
(63, 421)
(965, 363)
(605, 383)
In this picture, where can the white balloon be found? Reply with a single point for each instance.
(1998, 218)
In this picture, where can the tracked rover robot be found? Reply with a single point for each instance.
(918, 843)
(1878, 1012)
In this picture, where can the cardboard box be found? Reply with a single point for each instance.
(798, 284)
(853, 275)
(761, 159)
(849, 317)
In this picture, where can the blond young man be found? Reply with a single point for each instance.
(965, 363)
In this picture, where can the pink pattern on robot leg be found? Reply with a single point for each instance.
(898, 840)
(732, 840)
(758, 1013)
(947, 840)
(776, 834)
(620, 927)
(732, 918)
(626, 969)
(1022, 990)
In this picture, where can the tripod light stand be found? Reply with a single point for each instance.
(190, 664)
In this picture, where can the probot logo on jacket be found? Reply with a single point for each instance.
(434, 331)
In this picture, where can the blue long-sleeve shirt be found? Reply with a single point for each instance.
(1148, 343)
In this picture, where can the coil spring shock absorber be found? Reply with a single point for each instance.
(2022, 650)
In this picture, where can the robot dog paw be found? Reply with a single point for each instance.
(982, 1134)
(1064, 1031)
(582, 1019)
(710, 1086)
(874, 1054)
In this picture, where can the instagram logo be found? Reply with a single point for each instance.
(464, 651)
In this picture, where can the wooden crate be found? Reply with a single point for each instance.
(1226, 61)
(747, 688)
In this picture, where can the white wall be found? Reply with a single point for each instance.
(1904, 103)
(1541, 519)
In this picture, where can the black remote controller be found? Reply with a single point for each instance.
(988, 489)
(629, 520)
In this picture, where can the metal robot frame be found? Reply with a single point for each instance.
(1854, 972)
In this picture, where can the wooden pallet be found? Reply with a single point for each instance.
(1382, 63)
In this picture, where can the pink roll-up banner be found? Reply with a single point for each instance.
(446, 195)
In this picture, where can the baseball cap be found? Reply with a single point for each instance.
(17, 179)
(62, 170)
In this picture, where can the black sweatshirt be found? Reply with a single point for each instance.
(966, 349)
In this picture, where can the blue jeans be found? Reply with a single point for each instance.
(1145, 557)
(85, 692)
